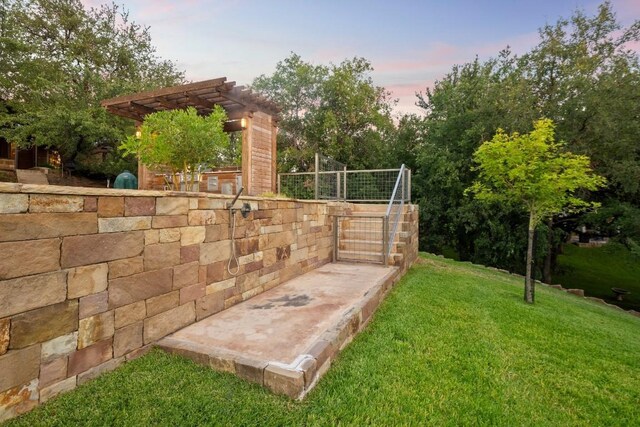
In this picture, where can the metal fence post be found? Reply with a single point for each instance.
(279, 185)
(409, 172)
(337, 185)
(335, 238)
(385, 239)
(344, 185)
(317, 176)
(403, 185)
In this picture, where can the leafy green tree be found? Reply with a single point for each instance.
(180, 140)
(586, 79)
(532, 171)
(582, 75)
(334, 109)
(296, 87)
(463, 109)
(59, 60)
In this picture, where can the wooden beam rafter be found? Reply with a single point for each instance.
(169, 104)
(139, 108)
(199, 101)
(123, 112)
(238, 101)
(214, 83)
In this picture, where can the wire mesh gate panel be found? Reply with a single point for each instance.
(361, 238)
(328, 177)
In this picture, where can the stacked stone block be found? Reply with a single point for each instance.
(92, 278)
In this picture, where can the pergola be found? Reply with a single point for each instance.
(248, 112)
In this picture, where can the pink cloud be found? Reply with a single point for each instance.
(436, 55)
(406, 77)
(408, 89)
(88, 4)
(440, 56)
(627, 9)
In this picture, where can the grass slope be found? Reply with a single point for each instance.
(453, 344)
(597, 270)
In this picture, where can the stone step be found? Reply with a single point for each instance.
(351, 255)
(369, 245)
(364, 238)
(380, 209)
(369, 235)
(366, 256)
(367, 227)
(377, 208)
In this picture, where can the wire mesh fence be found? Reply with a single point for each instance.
(299, 185)
(332, 181)
(328, 177)
(363, 238)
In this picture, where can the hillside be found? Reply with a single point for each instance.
(597, 270)
(453, 344)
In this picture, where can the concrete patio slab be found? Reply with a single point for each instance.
(286, 338)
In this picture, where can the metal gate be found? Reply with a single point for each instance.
(360, 238)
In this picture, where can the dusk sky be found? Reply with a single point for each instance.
(409, 43)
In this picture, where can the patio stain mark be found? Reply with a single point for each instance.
(284, 301)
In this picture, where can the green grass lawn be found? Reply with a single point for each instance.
(597, 270)
(453, 344)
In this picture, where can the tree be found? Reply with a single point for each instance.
(532, 171)
(334, 109)
(585, 77)
(295, 86)
(180, 140)
(59, 60)
(463, 109)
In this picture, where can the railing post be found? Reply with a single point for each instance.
(317, 169)
(335, 238)
(409, 186)
(385, 239)
(344, 185)
(403, 185)
(337, 185)
(279, 191)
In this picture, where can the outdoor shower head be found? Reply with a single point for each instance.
(230, 205)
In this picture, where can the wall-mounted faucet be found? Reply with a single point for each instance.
(235, 199)
(244, 210)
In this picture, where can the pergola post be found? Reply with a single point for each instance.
(247, 136)
(259, 153)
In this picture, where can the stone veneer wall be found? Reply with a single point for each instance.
(409, 249)
(90, 278)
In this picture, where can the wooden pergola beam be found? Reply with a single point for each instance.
(169, 104)
(237, 101)
(166, 91)
(122, 112)
(201, 102)
(139, 108)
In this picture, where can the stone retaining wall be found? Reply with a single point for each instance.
(90, 278)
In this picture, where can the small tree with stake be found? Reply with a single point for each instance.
(180, 140)
(533, 171)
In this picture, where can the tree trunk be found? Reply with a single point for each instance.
(548, 259)
(528, 282)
